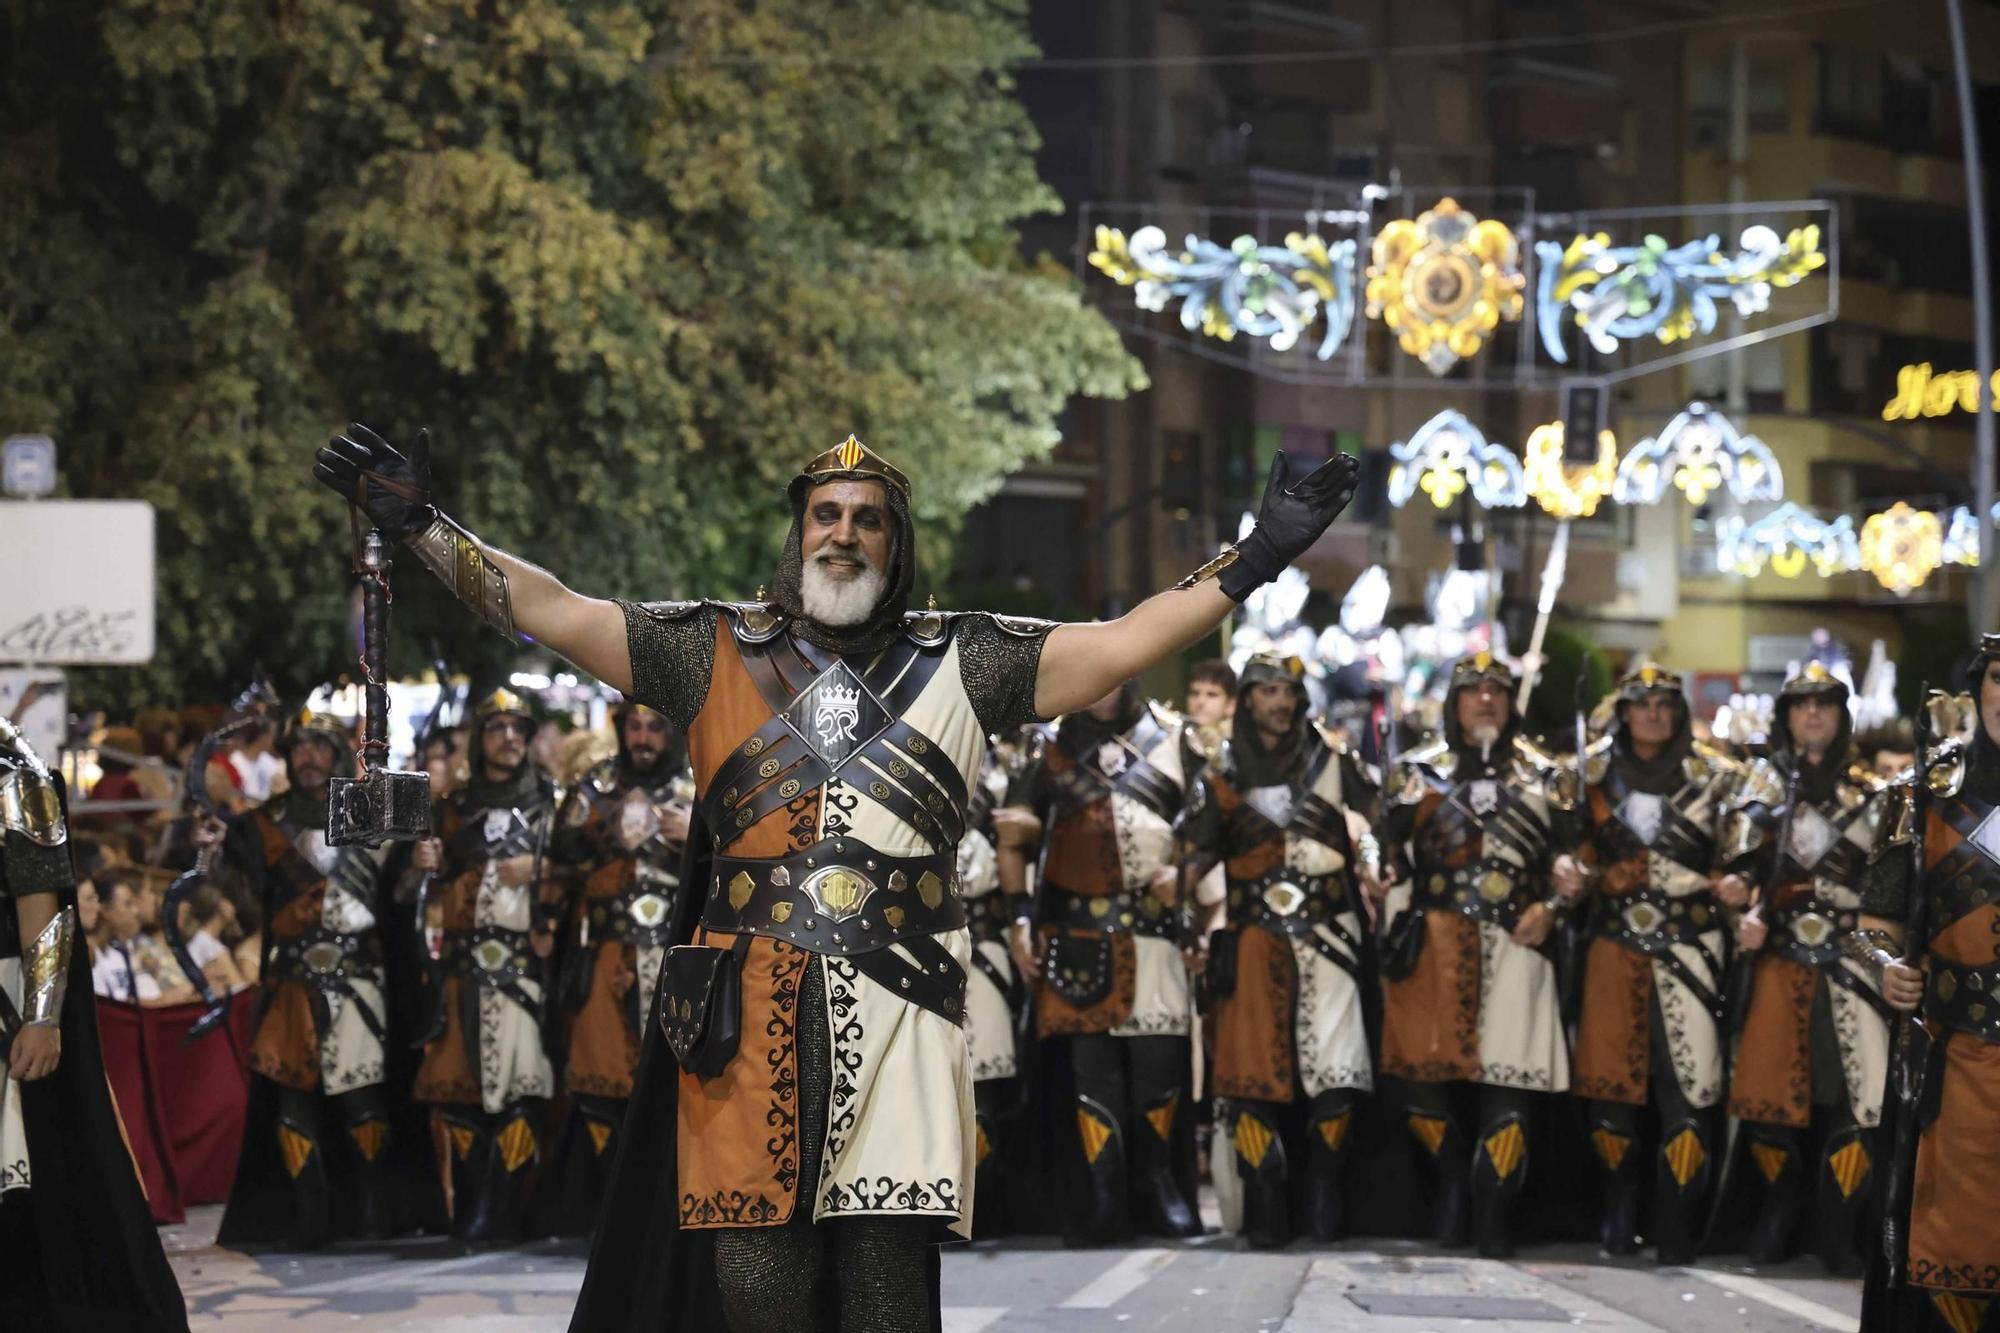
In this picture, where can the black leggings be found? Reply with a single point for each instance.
(772, 1277)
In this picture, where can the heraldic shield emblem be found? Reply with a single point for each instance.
(836, 715)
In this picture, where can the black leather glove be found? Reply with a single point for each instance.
(1290, 519)
(392, 488)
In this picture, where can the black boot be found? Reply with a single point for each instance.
(1165, 1211)
(1442, 1150)
(467, 1145)
(1680, 1188)
(1846, 1169)
(511, 1149)
(366, 1117)
(1329, 1122)
(1499, 1169)
(1260, 1162)
(1103, 1139)
(1614, 1139)
(1774, 1151)
(304, 1158)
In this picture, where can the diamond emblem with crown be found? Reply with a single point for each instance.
(836, 715)
(1643, 812)
(1813, 836)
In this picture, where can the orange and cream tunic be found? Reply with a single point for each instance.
(835, 792)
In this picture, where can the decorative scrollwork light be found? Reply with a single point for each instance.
(1443, 281)
(1447, 455)
(1787, 539)
(1266, 291)
(1699, 453)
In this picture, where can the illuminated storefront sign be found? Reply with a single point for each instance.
(1923, 392)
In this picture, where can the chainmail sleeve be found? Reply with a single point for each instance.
(672, 645)
(999, 658)
(27, 867)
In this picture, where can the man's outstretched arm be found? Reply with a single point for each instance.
(1082, 663)
(393, 490)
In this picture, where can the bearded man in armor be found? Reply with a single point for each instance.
(1812, 1054)
(813, 1163)
(1951, 1225)
(1285, 967)
(318, 1136)
(1103, 934)
(492, 900)
(616, 853)
(80, 1252)
(1471, 1020)
(1649, 1035)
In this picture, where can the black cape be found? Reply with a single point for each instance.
(101, 1262)
(645, 1274)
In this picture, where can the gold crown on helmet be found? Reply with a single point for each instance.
(1481, 666)
(853, 459)
(1813, 678)
(307, 722)
(498, 701)
(1645, 678)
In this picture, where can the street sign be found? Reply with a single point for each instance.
(28, 465)
(78, 590)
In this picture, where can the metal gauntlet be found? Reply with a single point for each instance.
(1872, 948)
(47, 966)
(456, 557)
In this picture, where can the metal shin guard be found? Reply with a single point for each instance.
(1260, 1162)
(366, 1120)
(1614, 1142)
(1441, 1149)
(1329, 1126)
(304, 1157)
(1104, 1146)
(1166, 1212)
(1499, 1169)
(1685, 1165)
(1846, 1172)
(1775, 1152)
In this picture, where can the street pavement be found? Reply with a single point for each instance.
(1208, 1285)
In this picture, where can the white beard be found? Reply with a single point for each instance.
(840, 603)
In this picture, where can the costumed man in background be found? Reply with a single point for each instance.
(1471, 1018)
(996, 1001)
(823, 1143)
(1285, 970)
(1650, 1029)
(616, 852)
(1104, 943)
(80, 1250)
(1812, 1054)
(1952, 1226)
(485, 1071)
(316, 1155)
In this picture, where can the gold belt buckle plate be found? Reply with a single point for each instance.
(839, 891)
(1284, 898)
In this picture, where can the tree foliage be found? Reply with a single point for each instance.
(631, 262)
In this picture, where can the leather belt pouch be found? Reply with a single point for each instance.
(701, 1004)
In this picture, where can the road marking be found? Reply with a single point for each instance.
(1120, 1280)
(972, 1318)
(1775, 1296)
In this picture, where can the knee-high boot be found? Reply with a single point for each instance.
(365, 1114)
(1329, 1122)
(1499, 1168)
(1614, 1139)
(1846, 1169)
(512, 1146)
(302, 1150)
(1776, 1152)
(1441, 1148)
(1260, 1162)
(467, 1146)
(1681, 1184)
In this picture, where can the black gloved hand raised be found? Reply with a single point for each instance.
(392, 488)
(1290, 519)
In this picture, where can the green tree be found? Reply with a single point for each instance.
(631, 262)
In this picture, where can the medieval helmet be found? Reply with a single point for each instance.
(851, 460)
(1469, 672)
(1814, 681)
(1646, 679)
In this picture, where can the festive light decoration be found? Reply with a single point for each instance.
(1787, 539)
(1448, 454)
(1902, 547)
(1700, 452)
(1266, 291)
(1619, 293)
(1568, 490)
(1443, 281)
(1923, 392)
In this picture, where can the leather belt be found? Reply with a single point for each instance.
(1810, 933)
(1138, 912)
(1964, 999)
(640, 915)
(324, 958)
(1487, 890)
(1651, 921)
(1285, 902)
(491, 955)
(989, 915)
(839, 896)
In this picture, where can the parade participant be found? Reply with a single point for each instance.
(833, 735)
(485, 892)
(1649, 1034)
(1471, 1020)
(1211, 701)
(80, 1249)
(996, 1006)
(1286, 967)
(318, 1158)
(1105, 945)
(1953, 1268)
(1812, 1053)
(616, 854)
